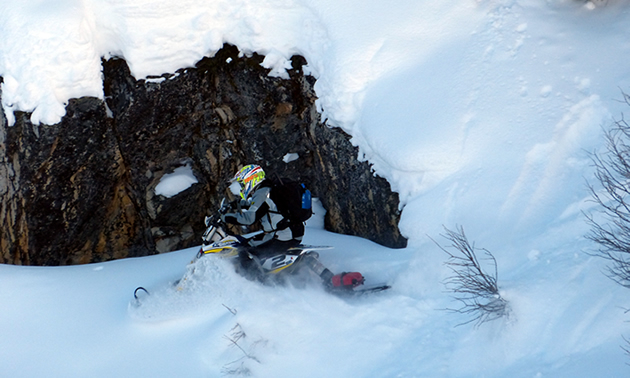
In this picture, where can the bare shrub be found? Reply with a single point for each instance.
(470, 284)
(612, 232)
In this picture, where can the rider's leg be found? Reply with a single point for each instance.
(273, 247)
(324, 273)
(251, 267)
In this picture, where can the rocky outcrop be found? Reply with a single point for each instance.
(83, 190)
(65, 200)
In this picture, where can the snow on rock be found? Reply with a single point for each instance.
(176, 182)
(67, 39)
(290, 157)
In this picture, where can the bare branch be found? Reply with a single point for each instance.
(470, 284)
(236, 334)
(612, 233)
(626, 348)
(232, 310)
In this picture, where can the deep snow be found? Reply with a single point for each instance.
(479, 113)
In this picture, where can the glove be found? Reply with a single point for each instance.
(347, 280)
(229, 218)
(222, 217)
(224, 209)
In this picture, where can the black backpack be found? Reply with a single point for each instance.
(293, 200)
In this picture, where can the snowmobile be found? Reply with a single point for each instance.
(270, 268)
(235, 247)
(276, 266)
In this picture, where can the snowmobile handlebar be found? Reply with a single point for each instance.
(214, 223)
(215, 219)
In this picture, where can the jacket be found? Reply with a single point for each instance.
(260, 207)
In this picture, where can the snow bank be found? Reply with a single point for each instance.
(66, 40)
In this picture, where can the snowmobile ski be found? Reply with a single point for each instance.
(140, 288)
(370, 289)
(307, 247)
(361, 290)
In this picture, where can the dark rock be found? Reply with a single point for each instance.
(83, 190)
(66, 200)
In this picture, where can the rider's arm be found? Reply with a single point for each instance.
(257, 208)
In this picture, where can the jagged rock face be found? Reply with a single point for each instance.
(84, 190)
(64, 200)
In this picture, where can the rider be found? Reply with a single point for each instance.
(279, 234)
(256, 205)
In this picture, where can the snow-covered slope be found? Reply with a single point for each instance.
(479, 113)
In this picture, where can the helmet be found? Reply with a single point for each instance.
(249, 177)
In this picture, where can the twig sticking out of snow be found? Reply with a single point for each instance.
(626, 348)
(470, 284)
(237, 334)
(238, 367)
(232, 310)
